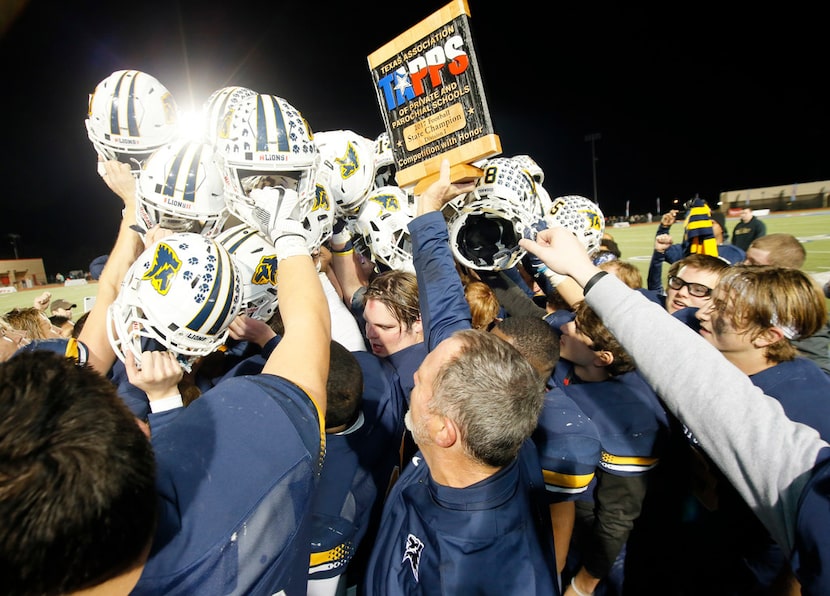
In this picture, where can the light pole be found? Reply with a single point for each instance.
(14, 238)
(593, 138)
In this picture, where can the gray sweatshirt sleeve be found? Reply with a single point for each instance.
(767, 457)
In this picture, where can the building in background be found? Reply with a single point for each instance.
(22, 273)
(801, 195)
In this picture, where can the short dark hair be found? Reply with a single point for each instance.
(534, 339)
(589, 324)
(344, 387)
(77, 478)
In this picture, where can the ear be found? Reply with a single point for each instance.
(603, 358)
(768, 337)
(447, 435)
(418, 326)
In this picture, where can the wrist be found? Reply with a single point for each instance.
(164, 404)
(290, 245)
(346, 249)
(592, 282)
(577, 590)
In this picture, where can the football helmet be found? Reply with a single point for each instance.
(383, 224)
(257, 262)
(320, 218)
(220, 102)
(183, 292)
(529, 164)
(350, 157)
(180, 188)
(486, 225)
(130, 115)
(266, 152)
(581, 216)
(385, 167)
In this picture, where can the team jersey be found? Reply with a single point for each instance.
(569, 447)
(803, 388)
(236, 471)
(811, 559)
(632, 424)
(489, 538)
(361, 464)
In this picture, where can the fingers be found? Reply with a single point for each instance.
(131, 364)
(158, 367)
(155, 234)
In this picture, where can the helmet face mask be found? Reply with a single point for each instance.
(486, 225)
(183, 292)
(385, 168)
(180, 188)
(130, 115)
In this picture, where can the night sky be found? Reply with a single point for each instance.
(686, 103)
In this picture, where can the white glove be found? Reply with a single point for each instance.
(279, 212)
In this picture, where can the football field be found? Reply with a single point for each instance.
(812, 228)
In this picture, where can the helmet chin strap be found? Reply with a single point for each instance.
(501, 259)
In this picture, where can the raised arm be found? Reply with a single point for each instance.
(302, 356)
(344, 263)
(444, 309)
(127, 247)
(770, 462)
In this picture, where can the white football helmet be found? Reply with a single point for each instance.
(529, 164)
(183, 292)
(383, 224)
(350, 157)
(257, 261)
(385, 168)
(217, 108)
(266, 153)
(131, 114)
(581, 216)
(485, 227)
(180, 188)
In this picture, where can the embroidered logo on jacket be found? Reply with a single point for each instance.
(413, 552)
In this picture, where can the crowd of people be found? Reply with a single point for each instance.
(300, 378)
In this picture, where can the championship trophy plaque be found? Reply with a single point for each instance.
(432, 101)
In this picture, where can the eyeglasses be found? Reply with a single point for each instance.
(696, 290)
